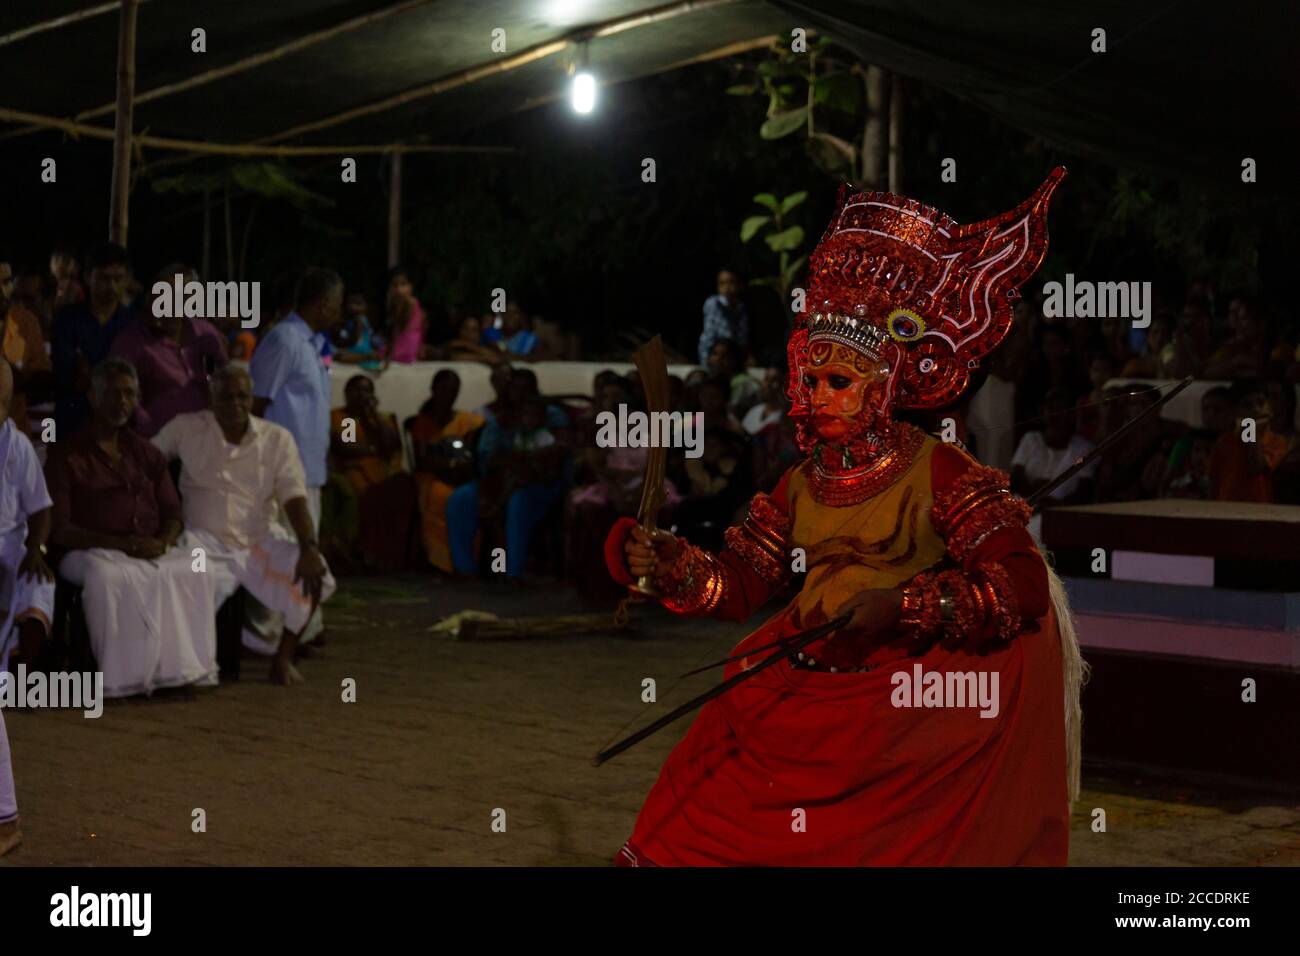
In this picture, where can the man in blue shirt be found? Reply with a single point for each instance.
(291, 384)
(82, 333)
(724, 316)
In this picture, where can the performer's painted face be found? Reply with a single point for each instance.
(843, 391)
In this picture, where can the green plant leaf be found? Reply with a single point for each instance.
(838, 91)
(792, 270)
(785, 239)
(767, 201)
(792, 200)
(744, 90)
(749, 228)
(783, 124)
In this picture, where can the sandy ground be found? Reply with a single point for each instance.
(442, 734)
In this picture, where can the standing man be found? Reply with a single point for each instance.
(291, 385)
(83, 333)
(173, 357)
(26, 582)
(724, 316)
(23, 346)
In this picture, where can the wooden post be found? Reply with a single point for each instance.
(119, 206)
(875, 138)
(205, 270)
(896, 135)
(395, 211)
(230, 237)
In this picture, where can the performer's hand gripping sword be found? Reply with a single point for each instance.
(650, 362)
(794, 642)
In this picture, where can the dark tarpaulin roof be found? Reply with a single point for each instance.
(1186, 87)
(64, 71)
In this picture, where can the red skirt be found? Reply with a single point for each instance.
(807, 768)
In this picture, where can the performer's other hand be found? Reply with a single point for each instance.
(874, 611)
(646, 553)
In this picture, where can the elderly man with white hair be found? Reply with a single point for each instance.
(26, 582)
(149, 610)
(235, 470)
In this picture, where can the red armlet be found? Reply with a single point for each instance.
(614, 557)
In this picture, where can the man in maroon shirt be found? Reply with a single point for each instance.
(173, 357)
(149, 605)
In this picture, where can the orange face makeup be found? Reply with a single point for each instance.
(842, 396)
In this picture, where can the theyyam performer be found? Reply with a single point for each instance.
(941, 725)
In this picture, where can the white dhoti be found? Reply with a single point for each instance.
(152, 623)
(266, 571)
(21, 598)
(8, 796)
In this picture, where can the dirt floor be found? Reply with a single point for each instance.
(442, 734)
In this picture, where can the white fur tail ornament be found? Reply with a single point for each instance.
(1074, 671)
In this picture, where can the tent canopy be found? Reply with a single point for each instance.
(1186, 86)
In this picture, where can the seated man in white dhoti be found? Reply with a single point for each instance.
(150, 613)
(26, 582)
(235, 469)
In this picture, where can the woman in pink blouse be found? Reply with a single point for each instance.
(405, 320)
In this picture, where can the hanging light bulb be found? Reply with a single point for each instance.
(584, 84)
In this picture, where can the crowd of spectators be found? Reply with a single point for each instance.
(152, 444)
(1057, 387)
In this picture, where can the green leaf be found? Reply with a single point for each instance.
(838, 91)
(785, 239)
(783, 124)
(744, 90)
(751, 225)
(792, 200)
(768, 201)
(792, 270)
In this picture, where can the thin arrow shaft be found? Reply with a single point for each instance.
(794, 644)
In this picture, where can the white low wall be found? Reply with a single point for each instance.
(1185, 407)
(404, 388)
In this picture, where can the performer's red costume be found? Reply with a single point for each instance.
(817, 760)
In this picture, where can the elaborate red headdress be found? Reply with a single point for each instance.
(905, 284)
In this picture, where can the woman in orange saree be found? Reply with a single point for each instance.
(444, 460)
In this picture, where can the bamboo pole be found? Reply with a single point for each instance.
(480, 71)
(731, 49)
(875, 137)
(66, 20)
(236, 149)
(230, 235)
(896, 135)
(206, 268)
(395, 212)
(120, 201)
(259, 59)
